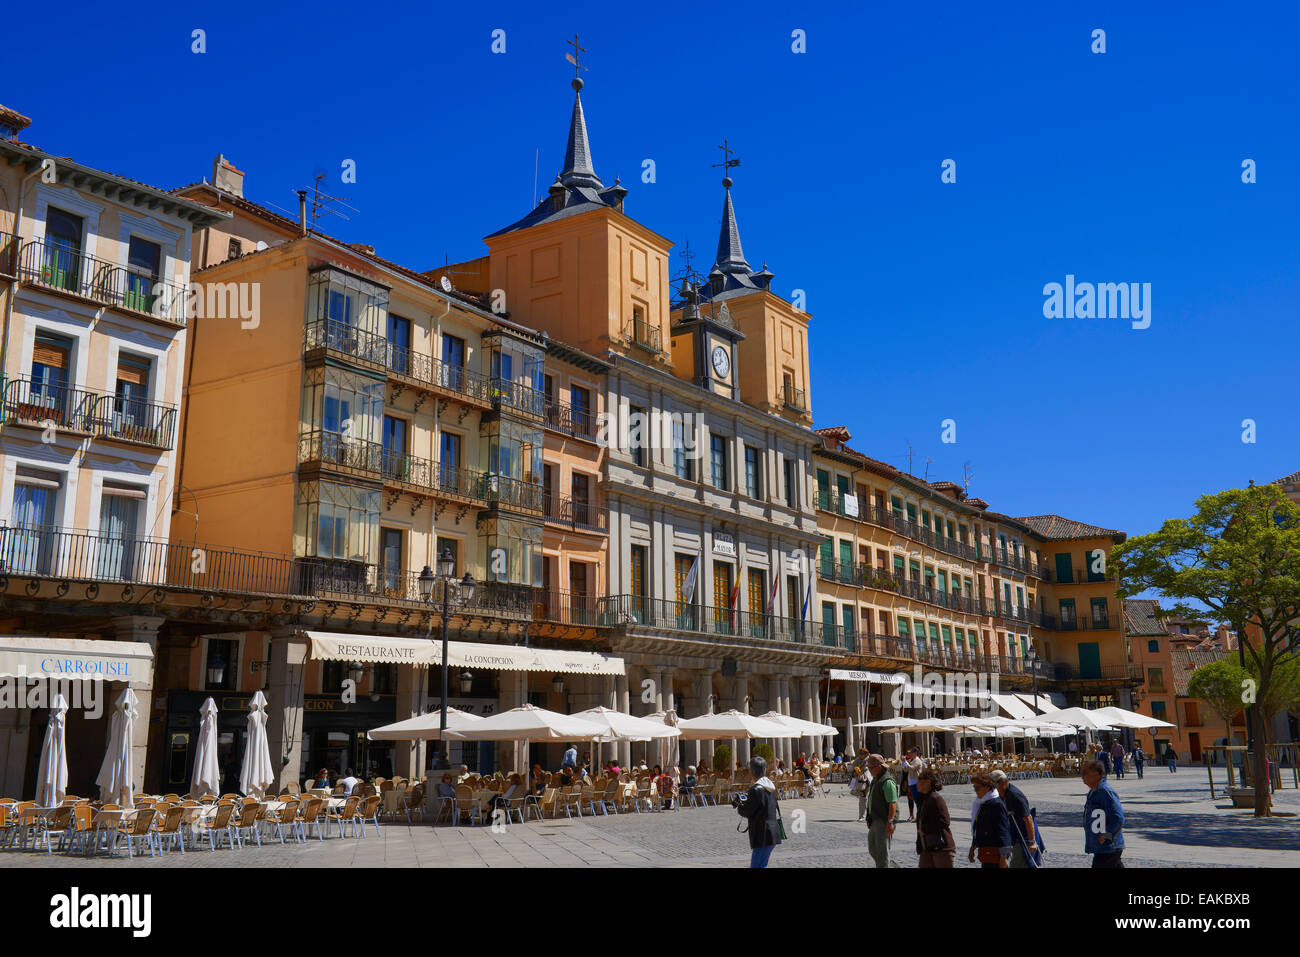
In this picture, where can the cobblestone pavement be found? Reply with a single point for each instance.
(1172, 822)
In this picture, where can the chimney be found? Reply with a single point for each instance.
(364, 248)
(12, 123)
(302, 211)
(225, 176)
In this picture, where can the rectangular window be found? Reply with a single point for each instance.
(390, 556)
(580, 498)
(897, 505)
(683, 464)
(915, 570)
(828, 619)
(718, 462)
(898, 568)
(826, 554)
(453, 362)
(934, 634)
(61, 258)
(787, 465)
(951, 536)
(1156, 679)
(846, 620)
(823, 489)
(947, 635)
(399, 344)
(795, 606)
(1100, 613)
(51, 362)
(143, 266)
(911, 513)
(904, 628)
(1064, 567)
(1153, 646)
(722, 596)
(1068, 621)
(753, 484)
(925, 520)
(637, 425)
(919, 626)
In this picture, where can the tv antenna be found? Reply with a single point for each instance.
(967, 473)
(910, 453)
(324, 204)
(926, 476)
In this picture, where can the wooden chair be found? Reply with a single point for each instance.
(246, 823)
(287, 817)
(106, 824)
(9, 821)
(79, 825)
(219, 824)
(548, 803)
(369, 811)
(572, 799)
(139, 827)
(309, 816)
(169, 827)
(57, 822)
(414, 803)
(347, 814)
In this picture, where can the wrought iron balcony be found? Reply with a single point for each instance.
(794, 399)
(646, 335)
(576, 422)
(636, 611)
(566, 510)
(64, 269)
(39, 404)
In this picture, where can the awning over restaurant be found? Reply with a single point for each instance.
(76, 659)
(1046, 702)
(872, 677)
(465, 654)
(334, 646)
(1014, 707)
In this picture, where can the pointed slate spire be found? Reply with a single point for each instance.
(731, 258)
(578, 170)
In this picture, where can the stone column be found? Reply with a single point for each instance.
(408, 757)
(742, 746)
(284, 713)
(705, 683)
(668, 698)
(623, 703)
(823, 743)
(143, 629)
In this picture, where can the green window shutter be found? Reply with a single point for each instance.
(920, 631)
(1064, 567)
(904, 629)
(934, 633)
(947, 635)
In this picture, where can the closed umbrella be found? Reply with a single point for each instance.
(668, 747)
(207, 775)
(116, 774)
(52, 780)
(256, 774)
(425, 727)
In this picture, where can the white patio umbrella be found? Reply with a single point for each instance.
(669, 748)
(1121, 718)
(804, 727)
(1081, 718)
(889, 724)
(614, 725)
(425, 727)
(116, 774)
(733, 724)
(52, 779)
(527, 723)
(256, 774)
(207, 774)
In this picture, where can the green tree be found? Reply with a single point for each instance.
(1219, 685)
(764, 750)
(1238, 556)
(722, 763)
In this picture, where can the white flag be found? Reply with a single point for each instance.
(688, 586)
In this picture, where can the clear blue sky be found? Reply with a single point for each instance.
(926, 298)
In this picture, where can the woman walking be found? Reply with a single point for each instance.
(934, 842)
(989, 824)
(758, 805)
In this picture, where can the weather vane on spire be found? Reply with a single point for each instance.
(573, 58)
(727, 163)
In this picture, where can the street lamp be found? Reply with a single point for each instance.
(1034, 662)
(462, 594)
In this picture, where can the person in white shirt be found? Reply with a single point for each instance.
(349, 783)
(914, 765)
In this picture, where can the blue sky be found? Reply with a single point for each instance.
(926, 297)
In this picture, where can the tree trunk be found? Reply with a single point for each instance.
(1227, 755)
(1262, 802)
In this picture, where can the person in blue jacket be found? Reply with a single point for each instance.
(1103, 819)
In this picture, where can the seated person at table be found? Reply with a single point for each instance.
(322, 780)
(566, 777)
(703, 766)
(666, 785)
(539, 780)
(349, 783)
(689, 782)
(445, 788)
(463, 773)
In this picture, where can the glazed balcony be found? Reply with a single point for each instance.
(65, 270)
(40, 405)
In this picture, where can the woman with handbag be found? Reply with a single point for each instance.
(759, 806)
(934, 842)
(858, 785)
(989, 824)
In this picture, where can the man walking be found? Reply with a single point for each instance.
(1139, 759)
(1117, 758)
(1171, 758)
(1103, 819)
(1024, 847)
(914, 765)
(570, 757)
(882, 810)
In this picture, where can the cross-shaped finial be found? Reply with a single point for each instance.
(573, 57)
(727, 163)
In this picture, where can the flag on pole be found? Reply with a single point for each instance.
(731, 602)
(688, 586)
(807, 597)
(771, 602)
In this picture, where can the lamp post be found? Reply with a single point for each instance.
(464, 592)
(1034, 662)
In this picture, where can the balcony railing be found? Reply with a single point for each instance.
(646, 336)
(64, 269)
(333, 450)
(39, 405)
(1008, 558)
(576, 422)
(833, 500)
(796, 399)
(375, 351)
(53, 552)
(1095, 621)
(503, 393)
(1077, 578)
(566, 510)
(1062, 671)
(719, 622)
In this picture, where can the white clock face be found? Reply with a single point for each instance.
(721, 361)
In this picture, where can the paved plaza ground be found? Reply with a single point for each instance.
(1172, 822)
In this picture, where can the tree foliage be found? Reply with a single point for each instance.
(1239, 556)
